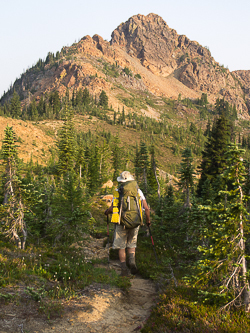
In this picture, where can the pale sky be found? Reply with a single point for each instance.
(29, 29)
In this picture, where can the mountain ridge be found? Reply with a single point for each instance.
(160, 61)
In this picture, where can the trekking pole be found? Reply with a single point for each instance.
(108, 237)
(153, 244)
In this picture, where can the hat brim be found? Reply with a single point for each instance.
(121, 180)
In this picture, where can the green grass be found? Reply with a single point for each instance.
(57, 269)
(179, 311)
(180, 308)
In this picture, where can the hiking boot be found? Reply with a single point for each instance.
(133, 269)
(131, 263)
(124, 269)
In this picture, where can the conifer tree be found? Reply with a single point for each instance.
(94, 160)
(86, 97)
(222, 269)
(67, 208)
(13, 207)
(117, 157)
(137, 162)
(41, 108)
(55, 102)
(186, 173)
(123, 117)
(66, 144)
(33, 113)
(143, 167)
(153, 181)
(103, 99)
(213, 157)
(169, 210)
(80, 163)
(104, 157)
(73, 99)
(78, 100)
(15, 105)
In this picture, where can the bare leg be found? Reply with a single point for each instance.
(131, 250)
(122, 255)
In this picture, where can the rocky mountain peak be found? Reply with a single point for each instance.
(149, 39)
(167, 64)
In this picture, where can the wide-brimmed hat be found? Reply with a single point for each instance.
(125, 176)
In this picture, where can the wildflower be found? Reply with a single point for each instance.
(69, 277)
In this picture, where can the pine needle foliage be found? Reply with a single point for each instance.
(186, 173)
(222, 271)
(213, 157)
(66, 143)
(12, 210)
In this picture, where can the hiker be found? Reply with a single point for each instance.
(128, 217)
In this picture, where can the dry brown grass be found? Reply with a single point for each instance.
(34, 141)
(37, 138)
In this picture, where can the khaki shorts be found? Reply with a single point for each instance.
(125, 238)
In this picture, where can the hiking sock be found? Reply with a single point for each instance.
(124, 269)
(132, 265)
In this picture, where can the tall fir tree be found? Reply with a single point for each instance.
(15, 105)
(186, 173)
(213, 157)
(103, 99)
(222, 269)
(143, 167)
(117, 157)
(13, 208)
(32, 110)
(86, 96)
(94, 161)
(66, 143)
(67, 209)
(153, 182)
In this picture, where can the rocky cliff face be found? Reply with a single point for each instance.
(149, 39)
(168, 64)
(244, 80)
(162, 51)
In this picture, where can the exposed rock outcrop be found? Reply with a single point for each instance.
(243, 78)
(167, 64)
(161, 50)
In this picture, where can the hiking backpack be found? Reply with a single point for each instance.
(130, 205)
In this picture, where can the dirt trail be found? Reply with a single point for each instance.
(97, 309)
(109, 310)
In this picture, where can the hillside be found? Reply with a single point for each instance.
(143, 56)
(32, 141)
